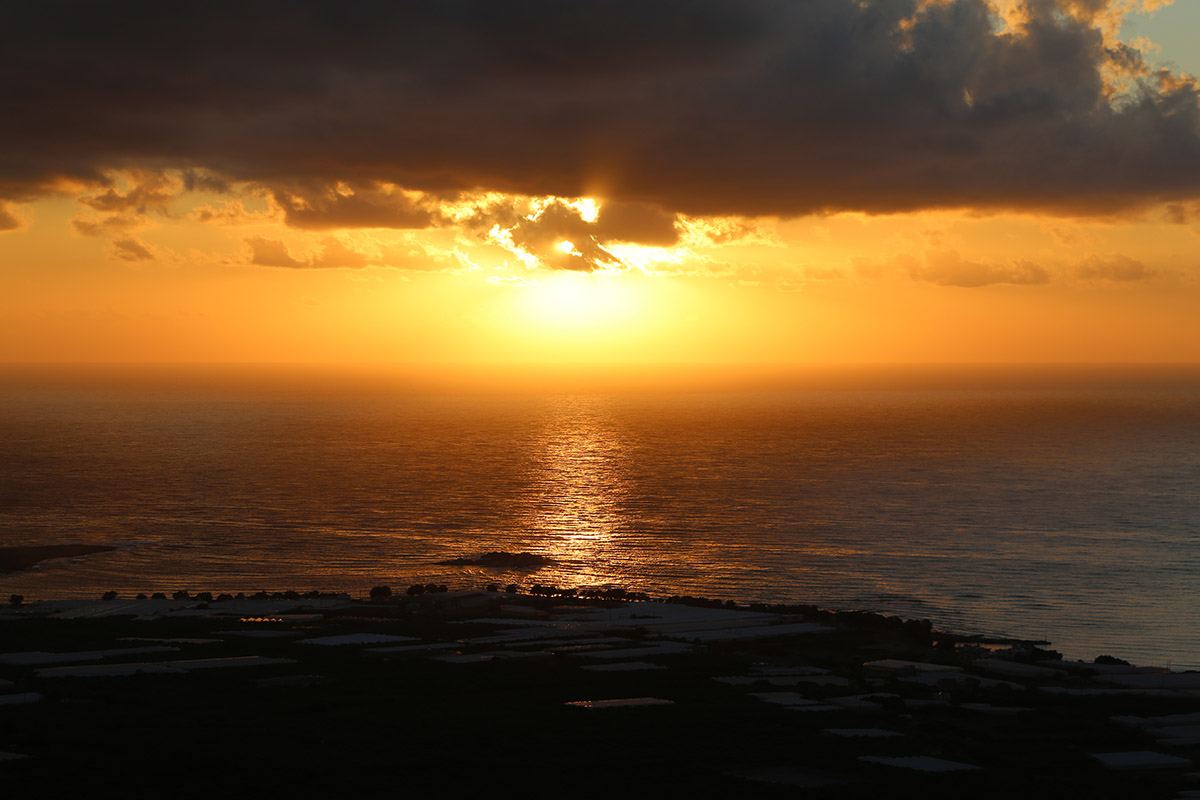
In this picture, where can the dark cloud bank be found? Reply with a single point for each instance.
(692, 106)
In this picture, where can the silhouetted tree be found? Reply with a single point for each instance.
(512, 588)
(180, 595)
(1111, 661)
(415, 589)
(158, 596)
(109, 596)
(15, 600)
(381, 592)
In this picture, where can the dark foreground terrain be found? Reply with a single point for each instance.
(457, 693)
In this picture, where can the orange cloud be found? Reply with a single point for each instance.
(8, 220)
(132, 249)
(1117, 267)
(948, 268)
(353, 205)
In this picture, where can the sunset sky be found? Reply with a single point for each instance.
(650, 181)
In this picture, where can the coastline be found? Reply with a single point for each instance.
(1044, 511)
(16, 559)
(948, 623)
(637, 695)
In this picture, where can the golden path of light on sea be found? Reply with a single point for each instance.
(580, 489)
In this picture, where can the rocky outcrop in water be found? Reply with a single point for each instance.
(502, 560)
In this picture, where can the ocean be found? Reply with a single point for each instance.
(1058, 503)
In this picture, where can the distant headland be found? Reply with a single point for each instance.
(15, 559)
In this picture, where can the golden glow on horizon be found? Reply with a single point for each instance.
(153, 260)
(215, 278)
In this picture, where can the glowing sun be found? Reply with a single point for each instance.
(578, 299)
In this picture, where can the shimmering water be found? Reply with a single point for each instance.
(1059, 504)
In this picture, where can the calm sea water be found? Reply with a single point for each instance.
(1057, 503)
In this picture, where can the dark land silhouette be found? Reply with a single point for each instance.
(14, 559)
(502, 560)
(463, 692)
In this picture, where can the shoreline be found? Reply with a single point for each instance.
(639, 695)
(20, 558)
(361, 594)
(162, 605)
(17, 560)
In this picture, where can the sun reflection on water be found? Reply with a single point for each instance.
(580, 487)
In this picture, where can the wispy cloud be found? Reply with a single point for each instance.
(1117, 267)
(948, 268)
